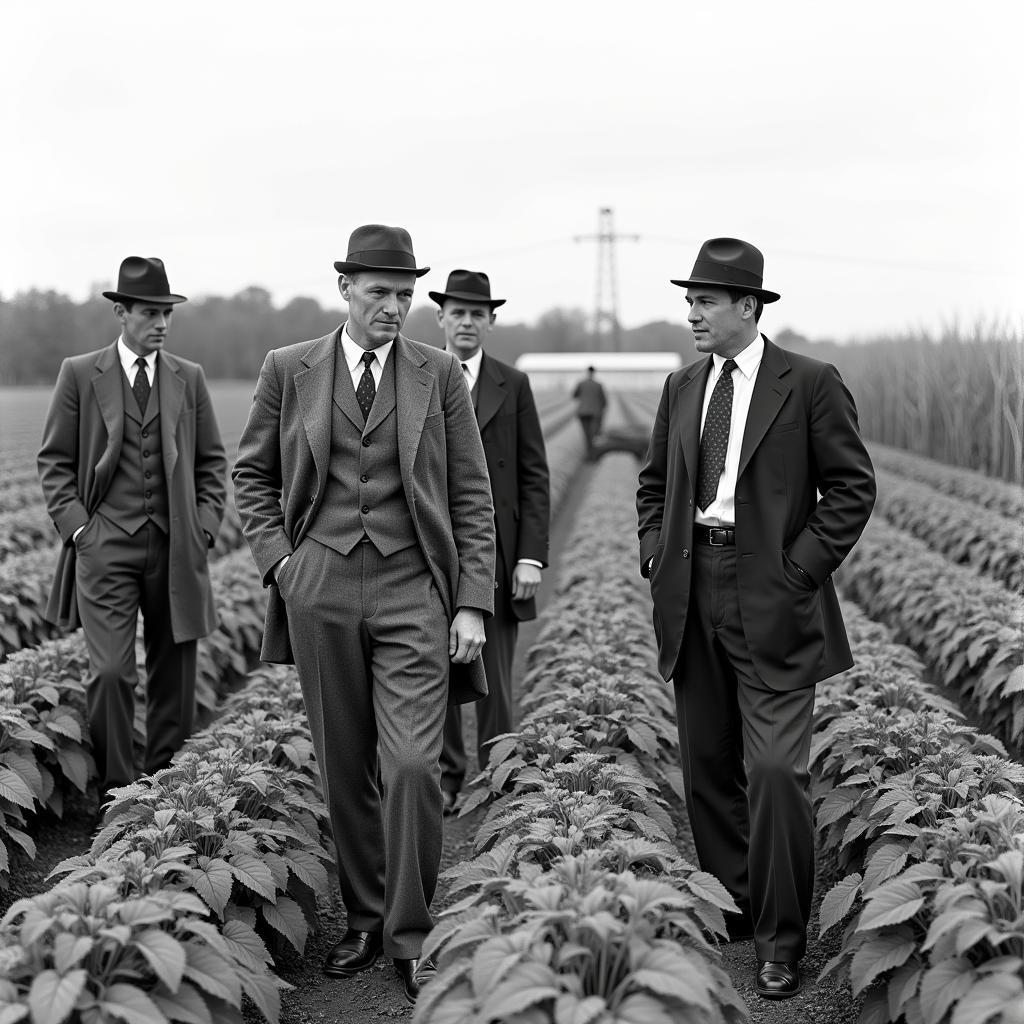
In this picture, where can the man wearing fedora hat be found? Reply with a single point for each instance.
(755, 487)
(518, 470)
(134, 474)
(362, 490)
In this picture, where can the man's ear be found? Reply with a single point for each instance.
(343, 286)
(494, 317)
(440, 315)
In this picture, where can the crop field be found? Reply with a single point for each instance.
(577, 831)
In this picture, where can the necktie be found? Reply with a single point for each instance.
(715, 439)
(366, 390)
(141, 387)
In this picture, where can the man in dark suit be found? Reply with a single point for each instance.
(518, 470)
(591, 402)
(362, 489)
(755, 487)
(134, 474)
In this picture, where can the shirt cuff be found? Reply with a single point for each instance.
(529, 561)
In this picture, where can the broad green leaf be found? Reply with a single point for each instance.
(253, 874)
(287, 918)
(14, 788)
(246, 945)
(165, 955)
(130, 1004)
(570, 1009)
(186, 1005)
(878, 954)
(942, 985)
(993, 996)
(525, 986)
(12, 1013)
(213, 880)
(885, 862)
(52, 997)
(895, 902)
(837, 901)
(644, 1008)
(209, 972)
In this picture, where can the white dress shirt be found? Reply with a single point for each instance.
(128, 357)
(354, 358)
(722, 511)
(471, 367)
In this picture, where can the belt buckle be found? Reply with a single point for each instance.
(712, 530)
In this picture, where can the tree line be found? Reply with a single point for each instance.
(958, 397)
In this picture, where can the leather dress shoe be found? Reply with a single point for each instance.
(778, 979)
(356, 951)
(415, 973)
(448, 800)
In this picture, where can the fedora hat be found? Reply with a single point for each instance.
(468, 285)
(379, 247)
(730, 263)
(143, 278)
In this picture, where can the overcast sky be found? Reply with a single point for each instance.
(873, 150)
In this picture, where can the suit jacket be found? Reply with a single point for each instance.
(590, 397)
(518, 468)
(81, 447)
(801, 438)
(281, 474)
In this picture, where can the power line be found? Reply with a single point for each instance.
(606, 306)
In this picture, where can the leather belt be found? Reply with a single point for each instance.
(715, 536)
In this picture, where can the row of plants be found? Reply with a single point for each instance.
(201, 873)
(17, 496)
(966, 534)
(577, 905)
(921, 820)
(44, 742)
(967, 628)
(989, 492)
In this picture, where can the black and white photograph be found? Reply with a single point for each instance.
(511, 513)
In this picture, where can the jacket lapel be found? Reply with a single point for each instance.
(313, 389)
(491, 392)
(691, 403)
(413, 384)
(765, 401)
(171, 390)
(109, 391)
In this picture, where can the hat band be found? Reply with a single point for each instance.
(727, 275)
(383, 257)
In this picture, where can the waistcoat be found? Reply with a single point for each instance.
(364, 496)
(138, 489)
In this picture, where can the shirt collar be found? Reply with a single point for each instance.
(473, 363)
(747, 361)
(354, 353)
(128, 357)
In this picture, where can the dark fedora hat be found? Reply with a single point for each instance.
(730, 263)
(143, 278)
(379, 247)
(468, 285)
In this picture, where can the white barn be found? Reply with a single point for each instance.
(632, 371)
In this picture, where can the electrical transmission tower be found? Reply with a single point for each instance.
(606, 309)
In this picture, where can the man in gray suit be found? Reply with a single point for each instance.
(134, 474)
(363, 492)
(591, 401)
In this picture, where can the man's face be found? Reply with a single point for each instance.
(719, 325)
(378, 302)
(465, 325)
(144, 327)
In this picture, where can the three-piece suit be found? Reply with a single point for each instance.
(388, 523)
(149, 489)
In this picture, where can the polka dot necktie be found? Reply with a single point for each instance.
(715, 439)
(141, 387)
(366, 390)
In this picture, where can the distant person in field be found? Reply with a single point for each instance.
(135, 479)
(755, 487)
(591, 402)
(362, 489)
(518, 470)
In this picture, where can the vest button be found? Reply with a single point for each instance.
(364, 478)
(366, 442)
(145, 453)
(148, 474)
(148, 494)
(501, 462)
(366, 508)
(149, 510)
(145, 433)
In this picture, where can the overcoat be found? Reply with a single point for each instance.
(804, 492)
(282, 471)
(518, 470)
(80, 450)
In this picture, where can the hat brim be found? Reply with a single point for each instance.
(762, 293)
(440, 297)
(163, 300)
(345, 267)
